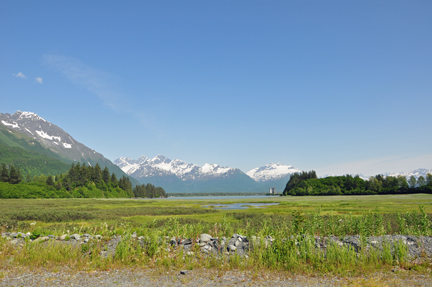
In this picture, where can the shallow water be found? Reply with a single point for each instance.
(220, 197)
(239, 205)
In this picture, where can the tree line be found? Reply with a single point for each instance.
(149, 191)
(10, 175)
(307, 183)
(79, 181)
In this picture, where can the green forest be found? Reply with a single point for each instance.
(80, 181)
(307, 183)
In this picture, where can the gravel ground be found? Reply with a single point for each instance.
(136, 277)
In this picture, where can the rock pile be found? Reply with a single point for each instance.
(237, 244)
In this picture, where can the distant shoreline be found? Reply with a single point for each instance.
(218, 194)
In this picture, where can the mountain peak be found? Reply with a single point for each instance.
(161, 164)
(272, 171)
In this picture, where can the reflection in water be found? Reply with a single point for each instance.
(239, 205)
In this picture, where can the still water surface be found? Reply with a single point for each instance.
(239, 205)
(220, 197)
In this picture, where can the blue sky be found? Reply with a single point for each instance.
(335, 86)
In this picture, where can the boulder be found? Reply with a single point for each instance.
(63, 237)
(205, 237)
(41, 239)
(75, 236)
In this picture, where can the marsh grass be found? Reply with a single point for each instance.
(296, 253)
(296, 222)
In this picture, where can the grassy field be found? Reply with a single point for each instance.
(93, 212)
(154, 219)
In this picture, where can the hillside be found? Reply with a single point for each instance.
(25, 132)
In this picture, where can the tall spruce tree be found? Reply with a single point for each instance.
(97, 174)
(106, 175)
(114, 180)
(4, 174)
(14, 175)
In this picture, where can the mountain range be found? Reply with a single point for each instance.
(179, 176)
(27, 139)
(37, 146)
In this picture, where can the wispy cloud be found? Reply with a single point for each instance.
(19, 75)
(95, 81)
(99, 83)
(39, 80)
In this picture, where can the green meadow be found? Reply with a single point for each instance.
(19, 213)
(292, 224)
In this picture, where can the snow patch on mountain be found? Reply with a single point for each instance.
(13, 125)
(271, 171)
(45, 135)
(66, 145)
(30, 115)
(29, 131)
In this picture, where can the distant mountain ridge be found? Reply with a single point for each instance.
(416, 173)
(32, 130)
(161, 165)
(179, 176)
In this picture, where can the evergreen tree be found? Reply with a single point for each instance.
(97, 174)
(72, 173)
(50, 180)
(83, 175)
(114, 180)
(4, 174)
(106, 175)
(14, 176)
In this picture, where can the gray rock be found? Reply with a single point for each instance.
(63, 237)
(75, 236)
(184, 272)
(231, 247)
(173, 241)
(205, 237)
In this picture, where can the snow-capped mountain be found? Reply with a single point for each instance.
(54, 140)
(39, 129)
(160, 165)
(272, 171)
(179, 176)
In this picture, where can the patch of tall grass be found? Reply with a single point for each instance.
(293, 249)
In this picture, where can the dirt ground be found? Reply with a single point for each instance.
(146, 277)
